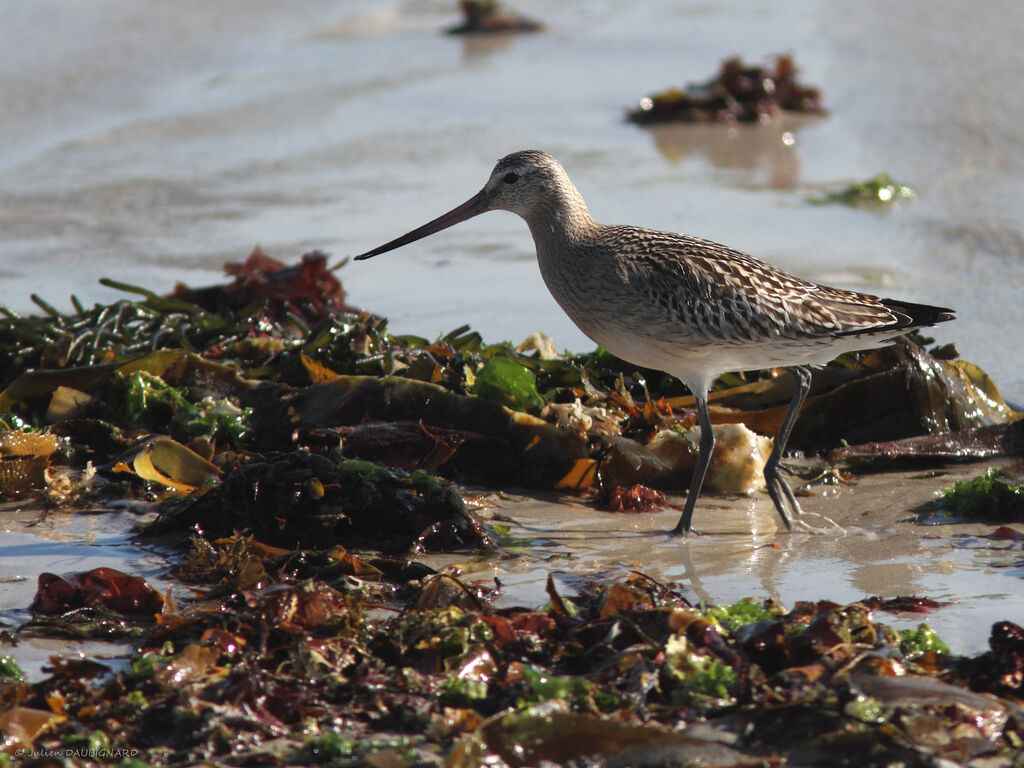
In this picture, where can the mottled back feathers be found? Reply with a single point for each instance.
(733, 297)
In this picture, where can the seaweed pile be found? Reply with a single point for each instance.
(739, 93)
(329, 659)
(301, 454)
(277, 361)
(488, 17)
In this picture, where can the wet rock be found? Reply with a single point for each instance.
(737, 464)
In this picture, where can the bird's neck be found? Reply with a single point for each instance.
(561, 217)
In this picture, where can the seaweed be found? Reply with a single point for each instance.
(25, 456)
(308, 501)
(922, 640)
(487, 17)
(878, 190)
(288, 440)
(984, 497)
(507, 382)
(107, 587)
(277, 358)
(282, 656)
(740, 92)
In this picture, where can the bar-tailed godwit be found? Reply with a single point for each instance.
(690, 307)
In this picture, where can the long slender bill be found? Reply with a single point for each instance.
(472, 207)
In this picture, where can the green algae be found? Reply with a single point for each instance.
(505, 381)
(878, 190)
(9, 670)
(150, 402)
(741, 613)
(923, 639)
(985, 497)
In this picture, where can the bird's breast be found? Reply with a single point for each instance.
(611, 305)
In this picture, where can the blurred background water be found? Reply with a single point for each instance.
(152, 142)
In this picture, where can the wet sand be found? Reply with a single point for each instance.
(875, 546)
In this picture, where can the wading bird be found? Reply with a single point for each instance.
(690, 307)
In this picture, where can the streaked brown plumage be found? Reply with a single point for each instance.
(691, 307)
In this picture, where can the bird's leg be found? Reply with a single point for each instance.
(704, 450)
(778, 489)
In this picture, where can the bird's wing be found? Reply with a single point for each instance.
(730, 295)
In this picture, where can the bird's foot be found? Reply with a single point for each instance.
(789, 508)
(782, 495)
(832, 526)
(785, 468)
(799, 525)
(794, 516)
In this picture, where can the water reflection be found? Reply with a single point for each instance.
(743, 554)
(768, 153)
(478, 46)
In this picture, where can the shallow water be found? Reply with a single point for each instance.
(151, 143)
(873, 546)
(33, 541)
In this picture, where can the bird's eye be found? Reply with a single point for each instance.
(510, 178)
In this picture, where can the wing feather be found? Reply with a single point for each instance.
(729, 295)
